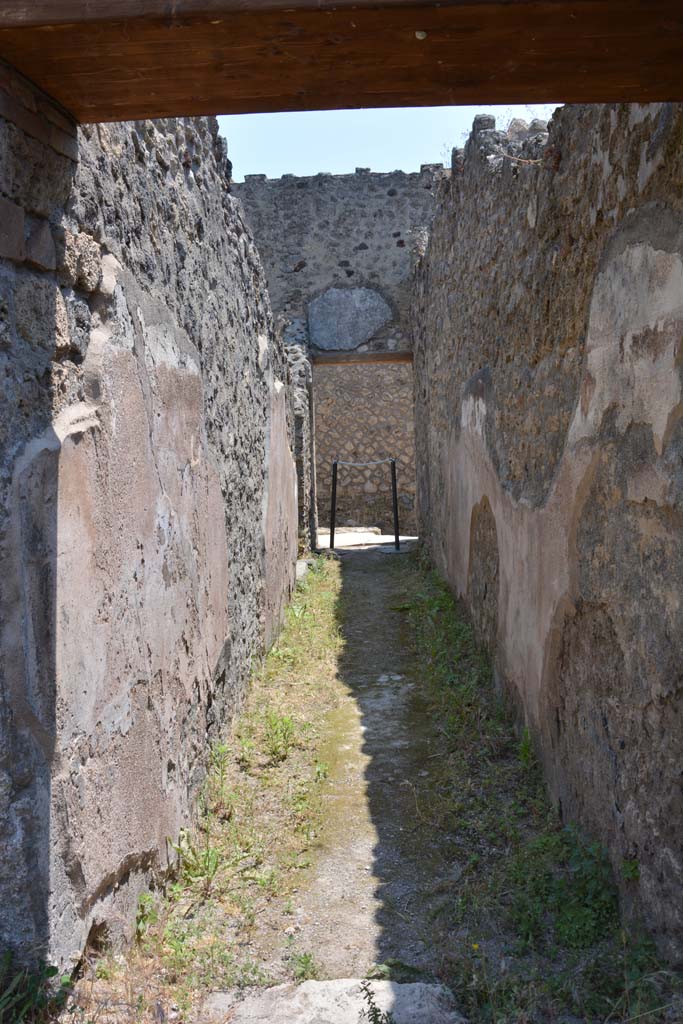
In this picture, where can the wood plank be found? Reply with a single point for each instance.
(348, 358)
(524, 51)
(31, 13)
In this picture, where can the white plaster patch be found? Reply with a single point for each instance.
(111, 268)
(262, 351)
(646, 168)
(639, 112)
(75, 419)
(639, 292)
(162, 349)
(473, 415)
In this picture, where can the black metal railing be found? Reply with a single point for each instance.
(362, 465)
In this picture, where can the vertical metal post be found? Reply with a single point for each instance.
(394, 499)
(333, 509)
(313, 512)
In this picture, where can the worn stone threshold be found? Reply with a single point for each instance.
(334, 1002)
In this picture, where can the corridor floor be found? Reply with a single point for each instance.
(364, 900)
(364, 905)
(374, 814)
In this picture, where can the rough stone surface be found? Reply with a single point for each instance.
(40, 246)
(337, 251)
(342, 232)
(336, 1002)
(301, 377)
(11, 231)
(548, 317)
(147, 512)
(341, 319)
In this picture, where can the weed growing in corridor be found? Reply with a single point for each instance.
(526, 750)
(217, 791)
(31, 996)
(198, 859)
(147, 915)
(372, 1012)
(304, 967)
(279, 735)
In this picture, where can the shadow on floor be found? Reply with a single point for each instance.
(379, 867)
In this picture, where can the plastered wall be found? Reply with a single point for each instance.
(548, 332)
(148, 521)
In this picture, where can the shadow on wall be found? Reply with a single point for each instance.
(29, 701)
(34, 330)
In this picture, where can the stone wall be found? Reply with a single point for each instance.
(147, 508)
(353, 426)
(548, 324)
(301, 375)
(337, 250)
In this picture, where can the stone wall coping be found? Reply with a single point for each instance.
(360, 172)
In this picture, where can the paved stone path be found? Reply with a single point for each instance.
(365, 900)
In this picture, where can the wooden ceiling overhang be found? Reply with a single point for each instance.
(112, 60)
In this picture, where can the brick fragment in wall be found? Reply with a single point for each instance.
(547, 315)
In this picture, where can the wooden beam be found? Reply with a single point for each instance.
(350, 358)
(34, 13)
(187, 57)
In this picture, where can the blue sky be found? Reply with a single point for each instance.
(338, 141)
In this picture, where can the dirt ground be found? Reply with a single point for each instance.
(364, 901)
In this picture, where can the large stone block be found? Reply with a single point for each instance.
(12, 244)
(344, 318)
(338, 1002)
(40, 246)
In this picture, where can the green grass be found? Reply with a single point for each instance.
(31, 996)
(258, 815)
(304, 967)
(524, 923)
(531, 929)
